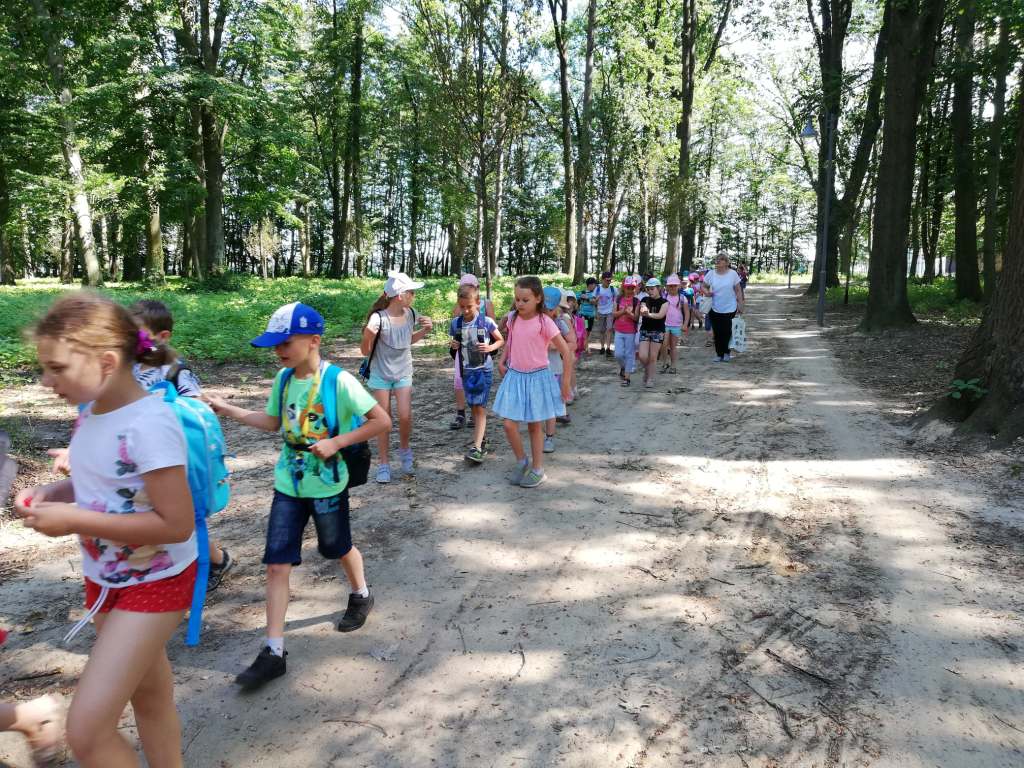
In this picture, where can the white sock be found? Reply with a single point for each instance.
(364, 592)
(276, 645)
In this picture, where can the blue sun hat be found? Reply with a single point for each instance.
(290, 320)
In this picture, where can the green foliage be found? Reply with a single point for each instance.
(937, 298)
(970, 390)
(217, 325)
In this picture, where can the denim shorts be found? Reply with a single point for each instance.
(376, 382)
(654, 337)
(288, 518)
(674, 330)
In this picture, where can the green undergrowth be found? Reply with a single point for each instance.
(216, 325)
(935, 300)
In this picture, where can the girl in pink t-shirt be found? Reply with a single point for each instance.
(128, 501)
(528, 391)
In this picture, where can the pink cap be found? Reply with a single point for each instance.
(629, 281)
(469, 279)
(673, 280)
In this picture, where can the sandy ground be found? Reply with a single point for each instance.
(746, 566)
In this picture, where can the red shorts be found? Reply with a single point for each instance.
(163, 596)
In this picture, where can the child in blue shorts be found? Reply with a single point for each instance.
(311, 478)
(474, 337)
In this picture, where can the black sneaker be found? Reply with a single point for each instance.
(356, 612)
(218, 572)
(267, 667)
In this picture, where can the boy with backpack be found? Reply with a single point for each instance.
(474, 338)
(316, 406)
(605, 296)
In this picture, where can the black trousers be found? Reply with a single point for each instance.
(721, 326)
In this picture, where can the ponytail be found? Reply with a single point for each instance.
(382, 302)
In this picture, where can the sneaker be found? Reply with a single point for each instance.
(672, 370)
(533, 478)
(563, 419)
(622, 372)
(267, 667)
(458, 422)
(518, 473)
(716, 359)
(549, 446)
(356, 612)
(665, 368)
(607, 353)
(218, 572)
(648, 383)
(476, 455)
(726, 358)
(406, 457)
(384, 473)
(625, 382)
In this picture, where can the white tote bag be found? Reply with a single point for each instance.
(739, 335)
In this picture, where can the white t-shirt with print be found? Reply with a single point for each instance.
(110, 453)
(188, 384)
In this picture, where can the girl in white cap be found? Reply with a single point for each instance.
(487, 310)
(387, 341)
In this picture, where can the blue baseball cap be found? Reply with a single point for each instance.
(287, 321)
(552, 297)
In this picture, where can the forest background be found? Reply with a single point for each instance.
(198, 146)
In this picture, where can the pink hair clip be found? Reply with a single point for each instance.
(144, 343)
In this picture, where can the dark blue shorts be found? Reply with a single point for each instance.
(476, 382)
(288, 518)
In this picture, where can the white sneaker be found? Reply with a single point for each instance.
(549, 444)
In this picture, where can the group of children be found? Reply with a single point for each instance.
(128, 499)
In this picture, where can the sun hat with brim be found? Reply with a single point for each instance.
(398, 283)
(552, 297)
(294, 319)
(673, 280)
(469, 279)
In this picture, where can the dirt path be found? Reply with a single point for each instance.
(743, 567)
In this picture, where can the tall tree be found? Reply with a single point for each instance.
(560, 20)
(965, 195)
(913, 26)
(584, 141)
(990, 231)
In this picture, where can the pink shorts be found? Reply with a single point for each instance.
(163, 596)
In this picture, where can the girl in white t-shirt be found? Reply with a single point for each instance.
(128, 501)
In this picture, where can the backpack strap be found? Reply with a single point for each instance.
(329, 398)
(174, 372)
(286, 376)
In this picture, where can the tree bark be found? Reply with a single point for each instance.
(996, 352)
(353, 137)
(6, 251)
(584, 170)
(965, 195)
(912, 26)
(93, 275)
(990, 231)
(830, 39)
(559, 17)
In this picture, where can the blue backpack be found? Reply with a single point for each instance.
(356, 457)
(207, 480)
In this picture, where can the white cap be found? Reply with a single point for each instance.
(469, 279)
(398, 283)
(566, 295)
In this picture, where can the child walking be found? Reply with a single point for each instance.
(310, 479)
(625, 314)
(528, 391)
(128, 484)
(676, 319)
(653, 309)
(487, 310)
(587, 310)
(555, 305)
(604, 297)
(474, 337)
(387, 340)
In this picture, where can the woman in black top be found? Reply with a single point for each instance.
(653, 309)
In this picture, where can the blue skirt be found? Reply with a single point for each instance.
(532, 396)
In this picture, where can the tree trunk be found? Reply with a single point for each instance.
(559, 14)
(995, 149)
(912, 26)
(67, 256)
(847, 211)
(996, 353)
(965, 194)
(583, 174)
(830, 40)
(355, 130)
(6, 251)
(69, 146)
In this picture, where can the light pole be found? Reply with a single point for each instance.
(830, 140)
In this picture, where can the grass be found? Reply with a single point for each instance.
(217, 325)
(936, 299)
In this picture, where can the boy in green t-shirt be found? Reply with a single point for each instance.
(310, 480)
